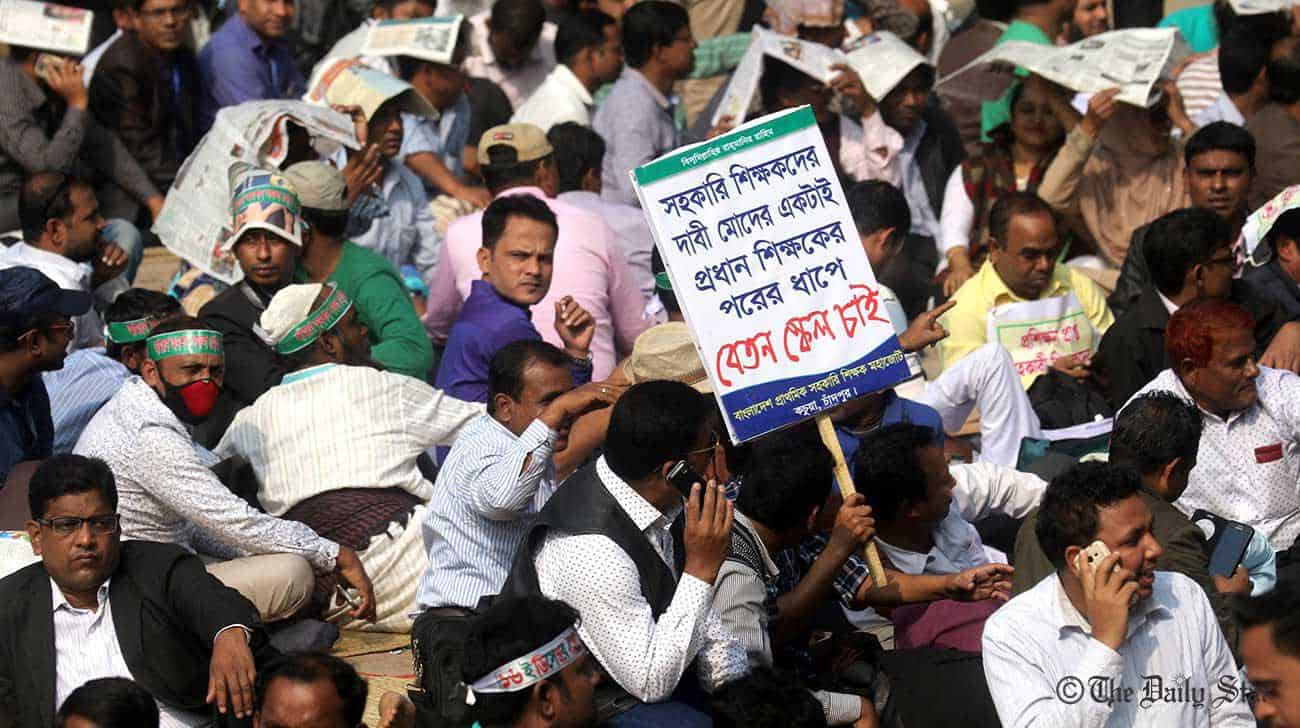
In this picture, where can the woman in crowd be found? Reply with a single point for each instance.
(1014, 161)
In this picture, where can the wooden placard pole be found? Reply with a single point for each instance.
(845, 480)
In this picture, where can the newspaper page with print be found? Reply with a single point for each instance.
(1260, 7)
(45, 26)
(764, 258)
(195, 218)
(430, 39)
(882, 61)
(1131, 60)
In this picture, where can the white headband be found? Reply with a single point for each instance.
(522, 673)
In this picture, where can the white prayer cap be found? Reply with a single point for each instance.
(290, 306)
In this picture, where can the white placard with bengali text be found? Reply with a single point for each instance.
(767, 265)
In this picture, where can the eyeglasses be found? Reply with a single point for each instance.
(65, 327)
(711, 448)
(68, 525)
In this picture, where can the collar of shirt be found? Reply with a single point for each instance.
(1070, 619)
(482, 294)
(912, 141)
(1170, 306)
(1168, 380)
(996, 292)
(642, 512)
(953, 531)
(566, 79)
(53, 265)
(302, 374)
(246, 36)
(769, 566)
(61, 602)
(664, 102)
(149, 408)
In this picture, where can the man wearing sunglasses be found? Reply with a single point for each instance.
(35, 329)
(94, 607)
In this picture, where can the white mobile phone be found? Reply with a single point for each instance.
(1093, 554)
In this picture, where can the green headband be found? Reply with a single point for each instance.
(129, 332)
(323, 319)
(663, 282)
(180, 343)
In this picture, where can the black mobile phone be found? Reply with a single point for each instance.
(1230, 545)
(681, 476)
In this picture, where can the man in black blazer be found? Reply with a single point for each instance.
(95, 607)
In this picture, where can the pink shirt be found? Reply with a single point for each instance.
(588, 266)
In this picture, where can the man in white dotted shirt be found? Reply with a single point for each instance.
(1247, 469)
(613, 544)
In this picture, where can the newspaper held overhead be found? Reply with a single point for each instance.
(45, 26)
(195, 218)
(882, 60)
(1260, 7)
(1132, 60)
(759, 243)
(429, 39)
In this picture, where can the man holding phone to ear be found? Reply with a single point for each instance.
(1108, 641)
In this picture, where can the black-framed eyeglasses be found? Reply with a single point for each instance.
(68, 525)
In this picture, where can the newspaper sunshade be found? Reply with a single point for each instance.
(1261, 221)
(45, 26)
(1260, 7)
(357, 85)
(430, 39)
(1131, 60)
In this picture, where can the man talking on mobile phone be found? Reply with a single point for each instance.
(620, 545)
(1109, 642)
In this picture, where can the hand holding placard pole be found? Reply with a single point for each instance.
(845, 480)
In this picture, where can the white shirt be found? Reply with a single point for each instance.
(1221, 110)
(86, 648)
(560, 98)
(924, 221)
(1248, 467)
(332, 427)
(88, 328)
(1044, 668)
(517, 83)
(630, 231)
(596, 577)
(490, 489)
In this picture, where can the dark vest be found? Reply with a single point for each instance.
(583, 506)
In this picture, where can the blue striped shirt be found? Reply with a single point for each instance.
(487, 495)
(88, 379)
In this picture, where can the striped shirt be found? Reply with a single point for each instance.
(88, 379)
(86, 648)
(1200, 85)
(489, 492)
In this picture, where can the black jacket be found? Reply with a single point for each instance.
(939, 153)
(1272, 283)
(167, 610)
(252, 367)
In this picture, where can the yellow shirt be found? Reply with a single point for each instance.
(967, 321)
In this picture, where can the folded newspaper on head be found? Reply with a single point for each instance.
(881, 59)
(429, 39)
(196, 218)
(1131, 60)
(1259, 7)
(45, 26)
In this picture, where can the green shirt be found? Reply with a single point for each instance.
(996, 113)
(1197, 26)
(397, 338)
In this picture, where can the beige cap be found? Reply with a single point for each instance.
(319, 185)
(528, 141)
(667, 351)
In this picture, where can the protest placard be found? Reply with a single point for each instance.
(45, 26)
(766, 263)
(765, 260)
(1131, 60)
(196, 218)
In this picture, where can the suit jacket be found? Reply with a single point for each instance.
(1185, 551)
(939, 153)
(252, 367)
(149, 99)
(167, 610)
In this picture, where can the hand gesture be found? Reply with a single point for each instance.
(959, 271)
(855, 100)
(1283, 351)
(1238, 583)
(396, 711)
(348, 567)
(925, 329)
(362, 171)
(107, 265)
(708, 531)
(1074, 365)
(1101, 107)
(575, 327)
(359, 124)
(854, 527)
(1108, 594)
(724, 125)
(989, 581)
(155, 205)
(1175, 109)
(64, 79)
(579, 401)
(231, 673)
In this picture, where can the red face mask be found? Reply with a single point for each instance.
(193, 402)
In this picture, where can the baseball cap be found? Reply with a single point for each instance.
(319, 185)
(26, 293)
(667, 351)
(263, 200)
(527, 141)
